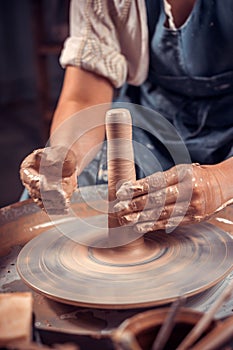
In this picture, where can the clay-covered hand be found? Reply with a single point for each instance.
(50, 176)
(182, 195)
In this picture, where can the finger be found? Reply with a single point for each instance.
(176, 193)
(29, 177)
(34, 193)
(69, 185)
(140, 203)
(70, 164)
(154, 215)
(52, 201)
(56, 160)
(136, 188)
(32, 160)
(155, 182)
(168, 225)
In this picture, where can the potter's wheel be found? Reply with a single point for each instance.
(188, 261)
(152, 270)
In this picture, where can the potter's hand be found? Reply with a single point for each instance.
(184, 194)
(50, 177)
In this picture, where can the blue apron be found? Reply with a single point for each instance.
(190, 83)
(190, 77)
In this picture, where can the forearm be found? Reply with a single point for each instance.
(79, 118)
(79, 132)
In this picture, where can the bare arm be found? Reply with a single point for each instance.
(81, 90)
(77, 133)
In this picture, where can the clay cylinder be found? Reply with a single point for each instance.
(120, 155)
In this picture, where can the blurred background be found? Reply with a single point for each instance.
(32, 33)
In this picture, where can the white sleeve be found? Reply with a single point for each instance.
(110, 38)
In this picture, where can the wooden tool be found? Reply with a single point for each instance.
(217, 337)
(205, 321)
(168, 325)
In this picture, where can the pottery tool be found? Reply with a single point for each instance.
(217, 337)
(207, 318)
(168, 325)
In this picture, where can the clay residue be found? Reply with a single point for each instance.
(50, 177)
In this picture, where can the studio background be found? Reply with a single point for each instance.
(31, 36)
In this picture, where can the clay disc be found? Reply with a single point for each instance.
(187, 261)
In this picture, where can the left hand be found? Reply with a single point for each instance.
(184, 194)
(50, 176)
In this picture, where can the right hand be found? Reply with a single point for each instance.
(50, 176)
(185, 194)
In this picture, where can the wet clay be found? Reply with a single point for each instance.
(119, 154)
(51, 160)
(49, 176)
(121, 168)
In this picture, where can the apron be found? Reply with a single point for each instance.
(189, 85)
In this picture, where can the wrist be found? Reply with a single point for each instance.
(223, 175)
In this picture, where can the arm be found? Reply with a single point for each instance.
(76, 135)
(97, 55)
(81, 90)
(182, 195)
